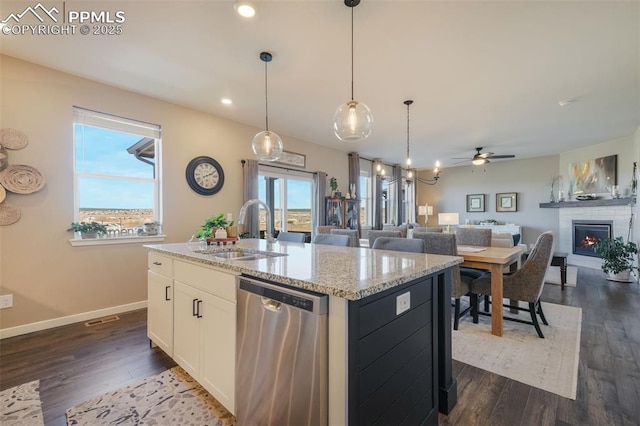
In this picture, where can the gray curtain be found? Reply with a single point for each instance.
(319, 191)
(397, 194)
(377, 203)
(250, 178)
(354, 179)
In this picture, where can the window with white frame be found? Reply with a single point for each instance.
(116, 172)
(366, 198)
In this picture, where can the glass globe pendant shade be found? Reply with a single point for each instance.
(352, 121)
(267, 146)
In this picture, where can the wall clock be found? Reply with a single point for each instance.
(205, 175)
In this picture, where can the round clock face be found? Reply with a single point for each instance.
(204, 175)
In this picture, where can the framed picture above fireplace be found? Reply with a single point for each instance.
(593, 176)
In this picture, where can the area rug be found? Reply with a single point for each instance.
(553, 276)
(169, 398)
(20, 405)
(550, 364)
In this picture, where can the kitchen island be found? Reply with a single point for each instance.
(389, 334)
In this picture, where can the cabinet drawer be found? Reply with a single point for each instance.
(210, 280)
(161, 264)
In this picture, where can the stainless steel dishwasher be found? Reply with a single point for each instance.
(281, 368)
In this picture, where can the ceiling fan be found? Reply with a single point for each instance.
(483, 157)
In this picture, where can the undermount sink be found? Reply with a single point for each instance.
(240, 254)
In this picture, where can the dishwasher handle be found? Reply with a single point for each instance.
(271, 304)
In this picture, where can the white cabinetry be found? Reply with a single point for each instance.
(205, 328)
(160, 301)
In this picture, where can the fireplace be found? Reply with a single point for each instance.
(587, 233)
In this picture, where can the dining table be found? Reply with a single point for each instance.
(493, 259)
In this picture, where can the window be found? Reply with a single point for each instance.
(366, 198)
(289, 195)
(116, 172)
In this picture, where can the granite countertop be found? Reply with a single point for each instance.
(346, 272)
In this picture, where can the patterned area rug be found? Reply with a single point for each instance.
(169, 398)
(21, 405)
(550, 364)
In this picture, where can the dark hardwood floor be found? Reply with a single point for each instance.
(75, 363)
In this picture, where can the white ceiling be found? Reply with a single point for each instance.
(480, 73)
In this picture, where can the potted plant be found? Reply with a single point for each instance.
(617, 257)
(333, 184)
(88, 229)
(211, 225)
(232, 230)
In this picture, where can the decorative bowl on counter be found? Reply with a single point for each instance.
(585, 197)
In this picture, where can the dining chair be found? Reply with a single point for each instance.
(324, 229)
(473, 237)
(402, 229)
(461, 278)
(526, 283)
(501, 239)
(399, 244)
(332, 240)
(375, 233)
(354, 237)
(296, 237)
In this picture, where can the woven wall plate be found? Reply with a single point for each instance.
(21, 179)
(4, 159)
(3, 193)
(8, 214)
(13, 139)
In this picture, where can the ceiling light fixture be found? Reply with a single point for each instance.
(408, 103)
(266, 145)
(565, 102)
(479, 161)
(244, 8)
(226, 101)
(353, 120)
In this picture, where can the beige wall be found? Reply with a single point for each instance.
(530, 178)
(50, 279)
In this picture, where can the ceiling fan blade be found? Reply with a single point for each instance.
(463, 161)
(503, 156)
(461, 158)
(485, 155)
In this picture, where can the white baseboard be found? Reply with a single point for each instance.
(70, 319)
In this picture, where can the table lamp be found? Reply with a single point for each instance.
(448, 219)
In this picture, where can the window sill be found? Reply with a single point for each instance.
(77, 242)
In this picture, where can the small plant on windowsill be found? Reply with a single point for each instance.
(152, 228)
(617, 257)
(88, 229)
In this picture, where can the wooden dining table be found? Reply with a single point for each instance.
(493, 259)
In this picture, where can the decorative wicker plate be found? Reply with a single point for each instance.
(3, 193)
(21, 179)
(13, 139)
(4, 159)
(8, 214)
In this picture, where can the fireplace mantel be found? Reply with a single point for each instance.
(587, 203)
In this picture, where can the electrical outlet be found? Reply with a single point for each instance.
(6, 301)
(403, 303)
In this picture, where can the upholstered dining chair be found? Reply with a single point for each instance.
(526, 283)
(354, 237)
(324, 229)
(399, 244)
(332, 240)
(375, 233)
(296, 237)
(473, 237)
(401, 228)
(461, 278)
(501, 239)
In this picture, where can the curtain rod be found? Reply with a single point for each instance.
(283, 168)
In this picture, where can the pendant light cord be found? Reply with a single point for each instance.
(408, 133)
(352, 7)
(266, 99)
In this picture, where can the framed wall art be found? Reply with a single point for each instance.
(597, 175)
(507, 202)
(292, 159)
(475, 202)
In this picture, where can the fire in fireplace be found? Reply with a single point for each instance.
(587, 233)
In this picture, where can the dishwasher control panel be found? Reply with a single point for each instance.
(298, 299)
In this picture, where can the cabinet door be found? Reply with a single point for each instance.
(218, 342)
(186, 342)
(160, 311)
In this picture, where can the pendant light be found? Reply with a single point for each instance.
(408, 103)
(352, 121)
(267, 145)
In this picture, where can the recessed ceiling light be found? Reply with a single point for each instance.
(226, 101)
(565, 102)
(244, 8)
